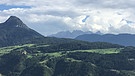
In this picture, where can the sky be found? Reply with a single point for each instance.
(52, 16)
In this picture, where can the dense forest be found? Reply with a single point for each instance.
(65, 59)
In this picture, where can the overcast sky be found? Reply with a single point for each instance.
(51, 16)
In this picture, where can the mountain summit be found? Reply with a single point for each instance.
(14, 21)
(13, 32)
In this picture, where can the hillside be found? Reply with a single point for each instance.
(56, 60)
(35, 60)
(121, 39)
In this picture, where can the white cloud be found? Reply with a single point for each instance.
(51, 16)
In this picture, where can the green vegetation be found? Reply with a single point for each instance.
(55, 54)
(77, 59)
(102, 51)
(128, 73)
(6, 50)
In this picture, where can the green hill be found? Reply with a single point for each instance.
(31, 60)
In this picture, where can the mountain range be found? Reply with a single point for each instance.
(122, 39)
(73, 34)
(14, 31)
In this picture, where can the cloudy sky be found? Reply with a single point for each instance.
(51, 16)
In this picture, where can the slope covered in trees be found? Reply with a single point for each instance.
(37, 60)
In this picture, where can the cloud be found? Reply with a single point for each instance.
(47, 24)
(116, 4)
(122, 29)
(51, 16)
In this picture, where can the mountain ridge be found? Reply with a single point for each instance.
(121, 39)
(14, 21)
(14, 31)
(73, 34)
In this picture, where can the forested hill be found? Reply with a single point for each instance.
(67, 59)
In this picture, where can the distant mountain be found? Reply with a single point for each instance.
(75, 33)
(122, 39)
(13, 31)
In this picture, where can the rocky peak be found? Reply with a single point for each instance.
(14, 21)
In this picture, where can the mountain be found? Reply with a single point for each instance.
(122, 39)
(73, 34)
(12, 22)
(13, 31)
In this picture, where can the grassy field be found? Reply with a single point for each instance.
(5, 50)
(55, 54)
(101, 51)
(64, 53)
(129, 73)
